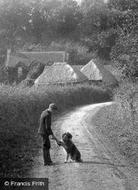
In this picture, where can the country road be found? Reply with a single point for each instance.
(102, 168)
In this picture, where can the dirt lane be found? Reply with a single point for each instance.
(102, 169)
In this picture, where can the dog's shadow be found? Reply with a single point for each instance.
(92, 162)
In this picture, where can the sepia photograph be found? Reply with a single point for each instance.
(68, 94)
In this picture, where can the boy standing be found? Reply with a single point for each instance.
(45, 131)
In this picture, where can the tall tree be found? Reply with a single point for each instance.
(125, 49)
(14, 19)
(67, 17)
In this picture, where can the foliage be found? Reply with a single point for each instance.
(100, 44)
(14, 17)
(77, 51)
(125, 54)
(37, 17)
(99, 28)
(78, 54)
(124, 5)
(126, 96)
(107, 30)
(67, 17)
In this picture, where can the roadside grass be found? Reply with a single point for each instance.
(20, 109)
(115, 123)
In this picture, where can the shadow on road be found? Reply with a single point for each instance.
(91, 162)
(103, 163)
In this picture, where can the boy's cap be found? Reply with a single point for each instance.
(53, 106)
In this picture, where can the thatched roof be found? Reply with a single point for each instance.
(60, 73)
(95, 70)
(91, 71)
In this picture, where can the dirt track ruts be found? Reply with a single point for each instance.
(102, 168)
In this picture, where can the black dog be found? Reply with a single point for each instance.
(70, 148)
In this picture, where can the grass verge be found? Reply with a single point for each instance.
(118, 131)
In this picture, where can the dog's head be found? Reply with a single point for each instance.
(66, 137)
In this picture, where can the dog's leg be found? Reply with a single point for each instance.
(66, 160)
(71, 160)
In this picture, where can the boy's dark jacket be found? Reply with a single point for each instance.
(45, 123)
